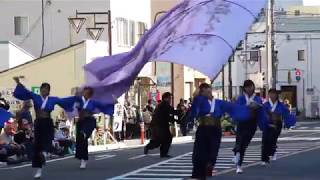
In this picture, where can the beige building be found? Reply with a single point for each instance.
(62, 69)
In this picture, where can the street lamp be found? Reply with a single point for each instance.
(94, 32)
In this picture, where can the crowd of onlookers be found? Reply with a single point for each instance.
(16, 138)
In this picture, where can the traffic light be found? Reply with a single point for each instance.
(298, 74)
(263, 76)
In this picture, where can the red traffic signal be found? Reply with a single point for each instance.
(298, 74)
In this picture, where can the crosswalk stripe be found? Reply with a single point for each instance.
(169, 170)
(170, 166)
(164, 175)
(150, 178)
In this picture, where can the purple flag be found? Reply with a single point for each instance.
(201, 34)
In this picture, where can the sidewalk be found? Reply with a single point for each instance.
(134, 143)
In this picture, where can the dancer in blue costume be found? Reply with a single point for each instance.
(43, 124)
(278, 114)
(86, 107)
(247, 129)
(209, 111)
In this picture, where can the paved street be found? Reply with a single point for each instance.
(298, 159)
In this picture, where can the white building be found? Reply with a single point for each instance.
(12, 55)
(20, 23)
(297, 39)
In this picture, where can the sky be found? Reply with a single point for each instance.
(311, 2)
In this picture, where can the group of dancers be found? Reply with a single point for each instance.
(44, 126)
(249, 111)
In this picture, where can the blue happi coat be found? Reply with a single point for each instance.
(261, 114)
(201, 106)
(24, 94)
(92, 106)
(280, 109)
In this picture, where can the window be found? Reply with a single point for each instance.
(122, 31)
(254, 56)
(131, 33)
(21, 25)
(300, 55)
(141, 29)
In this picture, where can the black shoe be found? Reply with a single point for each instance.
(165, 156)
(145, 151)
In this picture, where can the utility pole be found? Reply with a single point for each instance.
(246, 56)
(230, 76)
(271, 60)
(222, 78)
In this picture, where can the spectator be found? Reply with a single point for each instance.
(24, 137)
(149, 107)
(147, 117)
(63, 144)
(185, 102)
(130, 119)
(182, 118)
(7, 145)
(181, 103)
(24, 114)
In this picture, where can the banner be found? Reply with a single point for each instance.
(118, 115)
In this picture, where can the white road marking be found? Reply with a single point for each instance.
(164, 175)
(29, 164)
(105, 157)
(170, 170)
(137, 157)
(152, 178)
(143, 155)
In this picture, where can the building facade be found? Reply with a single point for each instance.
(20, 23)
(297, 36)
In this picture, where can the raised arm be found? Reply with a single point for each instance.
(21, 92)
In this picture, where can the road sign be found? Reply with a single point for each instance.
(298, 74)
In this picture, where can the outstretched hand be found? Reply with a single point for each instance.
(16, 79)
